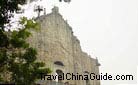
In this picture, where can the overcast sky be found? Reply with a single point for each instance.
(107, 29)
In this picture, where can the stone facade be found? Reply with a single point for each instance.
(60, 50)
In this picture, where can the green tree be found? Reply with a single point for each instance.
(17, 59)
(7, 8)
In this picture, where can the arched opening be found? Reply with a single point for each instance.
(87, 82)
(59, 63)
(86, 72)
(60, 75)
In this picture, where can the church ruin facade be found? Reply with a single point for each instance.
(60, 50)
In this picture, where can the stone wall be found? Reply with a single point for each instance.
(55, 42)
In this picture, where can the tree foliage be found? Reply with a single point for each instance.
(7, 8)
(17, 58)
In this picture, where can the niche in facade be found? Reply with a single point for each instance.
(58, 63)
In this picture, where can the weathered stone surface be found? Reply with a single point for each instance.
(55, 42)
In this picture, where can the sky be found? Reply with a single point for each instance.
(107, 29)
